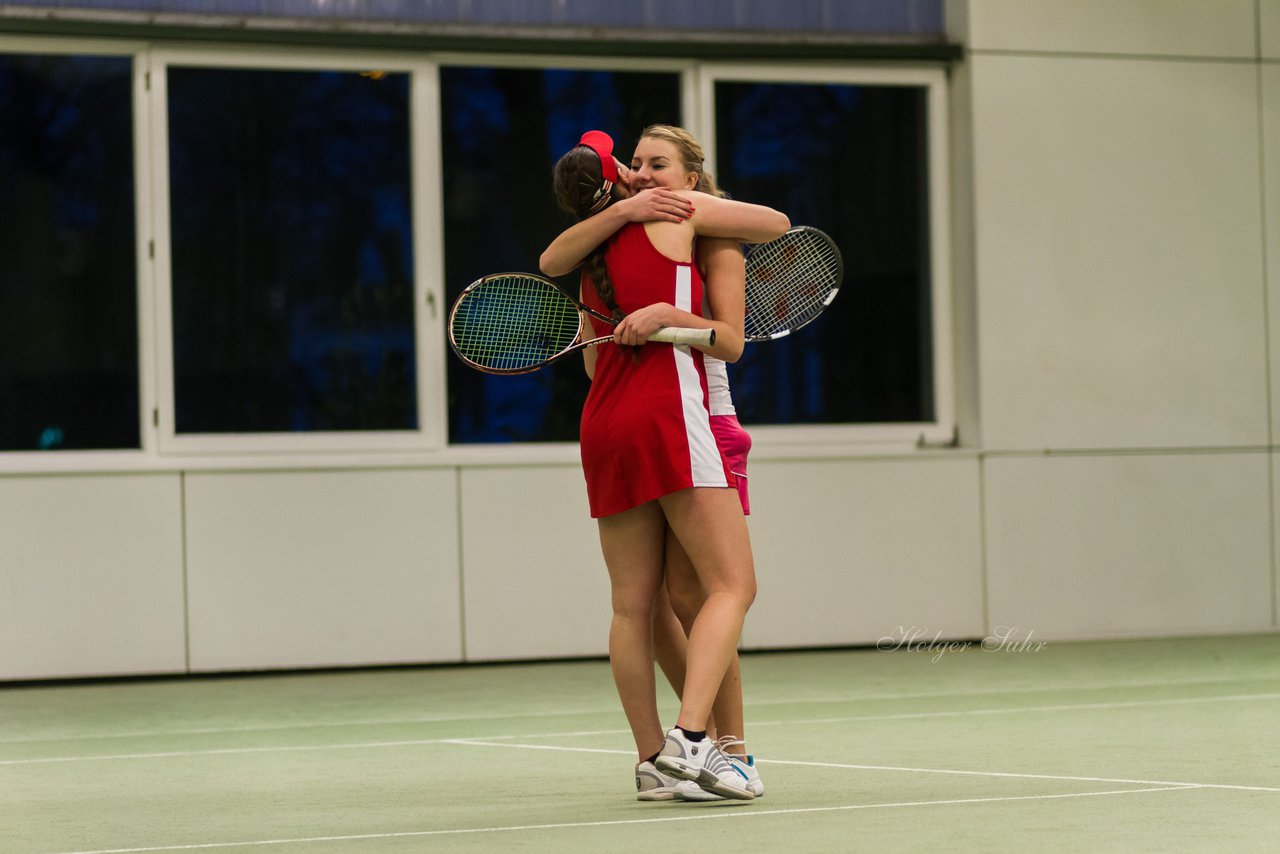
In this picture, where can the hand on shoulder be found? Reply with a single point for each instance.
(657, 205)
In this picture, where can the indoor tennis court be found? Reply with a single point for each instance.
(1122, 746)
(299, 538)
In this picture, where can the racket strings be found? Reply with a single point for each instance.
(792, 280)
(513, 323)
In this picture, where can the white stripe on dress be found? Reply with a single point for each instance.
(704, 454)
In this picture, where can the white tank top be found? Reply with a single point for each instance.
(719, 401)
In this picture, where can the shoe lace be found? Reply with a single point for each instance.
(724, 742)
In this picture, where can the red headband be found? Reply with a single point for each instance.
(602, 144)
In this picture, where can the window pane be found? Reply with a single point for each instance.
(68, 270)
(502, 131)
(292, 251)
(850, 160)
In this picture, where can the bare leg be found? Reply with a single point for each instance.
(670, 645)
(687, 596)
(632, 543)
(728, 703)
(710, 525)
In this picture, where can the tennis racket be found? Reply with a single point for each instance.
(514, 323)
(790, 281)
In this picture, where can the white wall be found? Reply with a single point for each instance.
(1119, 253)
(849, 551)
(536, 586)
(1116, 170)
(1269, 29)
(1132, 28)
(91, 580)
(1126, 306)
(1129, 545)
(304, 569)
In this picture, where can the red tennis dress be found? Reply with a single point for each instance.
(646, 429)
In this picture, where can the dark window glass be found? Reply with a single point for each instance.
(502, 132)
(68, 270)
(850, 160)
(292, 251)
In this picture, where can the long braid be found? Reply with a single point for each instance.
(598, 271)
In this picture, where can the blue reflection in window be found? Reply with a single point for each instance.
(503, 130)
(292, 251)
(68, 269)
(850, 160)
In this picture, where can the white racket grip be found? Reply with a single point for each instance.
(683, 335)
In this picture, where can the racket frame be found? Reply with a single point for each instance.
(832, 289)
(669, 334)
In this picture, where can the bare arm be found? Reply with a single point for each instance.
(575, 243)
(725, 275)
(726, 278)
(717, 217)
(637, 326)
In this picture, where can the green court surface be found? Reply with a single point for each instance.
(1168, 745)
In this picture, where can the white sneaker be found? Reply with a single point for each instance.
(687, 790)
(703, 763)
(653, 785)
(746, 763)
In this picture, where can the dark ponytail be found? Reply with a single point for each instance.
(576, 179)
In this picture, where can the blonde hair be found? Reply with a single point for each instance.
(691, 154)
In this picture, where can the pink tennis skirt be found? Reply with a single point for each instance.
(735, 444)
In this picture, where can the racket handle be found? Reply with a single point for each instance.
(682, 335)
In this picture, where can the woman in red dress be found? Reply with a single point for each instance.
(669, 159)
(651, 460)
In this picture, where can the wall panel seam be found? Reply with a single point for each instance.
(186, 590)
(462, 572)
(1140, 57)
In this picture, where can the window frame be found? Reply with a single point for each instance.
(427, 247)
(160, 449)
(506, 453)
(108, 458)
(819, 439)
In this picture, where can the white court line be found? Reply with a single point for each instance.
(578, 733)
(1013, 774)
(705, 815)
(1060, 707)
(224, 751)
(1172, 783)
(908, 716)
(426, 719)
(902, 716)
(291, 727)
